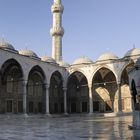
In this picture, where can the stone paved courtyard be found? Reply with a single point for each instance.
(17, 127)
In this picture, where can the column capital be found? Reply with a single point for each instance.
(90, 86)
(65, 88)
(46, 85)
(24, 82)
(118, 82)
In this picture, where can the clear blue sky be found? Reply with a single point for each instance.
(92, 27)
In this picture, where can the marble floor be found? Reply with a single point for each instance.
(75, 127)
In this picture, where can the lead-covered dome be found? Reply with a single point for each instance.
(82, 60)
(28, 53)
(107, 56)
(6, 46)
(133, 52)
(48, 59)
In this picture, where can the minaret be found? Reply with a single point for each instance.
(57, 30)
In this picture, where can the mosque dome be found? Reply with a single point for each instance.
(6, 46)
(107, 56)
(82, 60)
(63, 64)
(132, 52)
(48, 59)
(28, 53)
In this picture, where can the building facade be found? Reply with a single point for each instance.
(29, 84)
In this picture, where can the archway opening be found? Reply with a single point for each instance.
(11, 87)
(35, 91)
(125, 92)
(77, 95)
(104, 87)
(56, 96)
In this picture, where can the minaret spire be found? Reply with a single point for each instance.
(57, 1)
(57, 30)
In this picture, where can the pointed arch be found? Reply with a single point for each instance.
(103, 67)
(126, 67)
(56, 93)
(77, 95)
(104, 87)
(124, 87)
(8, 65)
(36, 90)
(11, 83)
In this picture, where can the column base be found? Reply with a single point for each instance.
(90, 113)
(119, 113)
(48, 114)
(66, 114)
(25, 115)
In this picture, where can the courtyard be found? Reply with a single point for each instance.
(74, 127)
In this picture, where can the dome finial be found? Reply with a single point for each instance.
(26, 46)
(2, 40)
(134, 46)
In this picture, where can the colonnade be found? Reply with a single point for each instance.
(47, 109)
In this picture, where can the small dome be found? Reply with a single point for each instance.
(107, 56)
(48, 59)
(63, 64)
(6, 46)
(28, 53)
(83, 60)
(133, 52)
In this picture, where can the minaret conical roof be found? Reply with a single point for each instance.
(57, 1)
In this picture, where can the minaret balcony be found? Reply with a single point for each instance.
(57, 8)
(57, 31)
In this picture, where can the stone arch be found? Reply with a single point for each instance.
(76, 70)
(77, 93)
(100, 67)
(104, 87)
(124, 88)
(7, 65)
(11, 87)
(56, 95)
(36, 86)
(127, 67)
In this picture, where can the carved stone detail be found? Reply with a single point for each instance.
(57, 31)
(57, 8)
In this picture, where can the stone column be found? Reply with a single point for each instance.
(65, 100)
(119, 97)
(24, 84)
(90, 100)
(47, 100)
